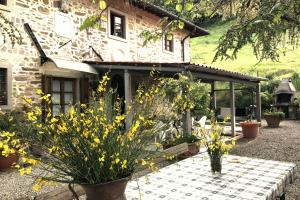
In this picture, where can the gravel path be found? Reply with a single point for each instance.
(282, 144)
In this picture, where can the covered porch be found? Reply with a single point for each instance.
(129, 74)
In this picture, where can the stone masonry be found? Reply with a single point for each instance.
(24, 59)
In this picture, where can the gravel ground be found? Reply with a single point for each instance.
(14, 186)
(282, 144)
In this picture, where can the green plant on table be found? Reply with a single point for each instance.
(90, 144)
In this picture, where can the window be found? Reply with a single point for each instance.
(3, 2)
(3, 86)
(63, 95)
(169, 42)
(117, 25)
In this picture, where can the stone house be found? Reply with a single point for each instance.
(62, 60)
(53, 49)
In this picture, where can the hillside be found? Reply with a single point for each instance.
(203, 50)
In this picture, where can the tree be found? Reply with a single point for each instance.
(268, 25)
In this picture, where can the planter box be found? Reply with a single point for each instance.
(250, 129)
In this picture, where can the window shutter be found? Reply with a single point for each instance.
(84, 90)
(46, 84)
(47, 89)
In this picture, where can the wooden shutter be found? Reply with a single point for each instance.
(47, 84)
(84, 90)
(47, 89)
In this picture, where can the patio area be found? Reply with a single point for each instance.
(280, 144)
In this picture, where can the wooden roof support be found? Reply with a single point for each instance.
(258, 102)
(232, 108)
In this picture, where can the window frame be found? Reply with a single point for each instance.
(165, 40)
(5, 65)
(8, 6)
(62, 92)
(124, 17)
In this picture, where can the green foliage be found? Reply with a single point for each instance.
(8, 30)
(189, 94)
(296, 80)
(274, 113)
(12, 121)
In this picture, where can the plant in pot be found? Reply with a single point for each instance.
(250, 128)
(214, 141)
(273, 118)
(10, 148)
(11, 124)
(90, 145)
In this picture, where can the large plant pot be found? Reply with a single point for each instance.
(250, 129)
(114, 190)
(273, 121)
(7, 162)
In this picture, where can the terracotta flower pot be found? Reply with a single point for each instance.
(7, 162)
(114, 190)
(272, 120)
(250, 129)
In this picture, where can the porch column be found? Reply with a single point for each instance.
(128, 95)
(213, 98)
(258, 102)
(187, 123)
(232, 108)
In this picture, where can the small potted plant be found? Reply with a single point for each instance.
(273, 118)
(9, 147)
(216, 146)
(250, 128)
(11, 123)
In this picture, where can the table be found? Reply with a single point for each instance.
(241, 178)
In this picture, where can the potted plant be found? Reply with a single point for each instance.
(9, 147)
(214, 141)
(273, 118)
(250, 128)
(90, 145)
(11, 123)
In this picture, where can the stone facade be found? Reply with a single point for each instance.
(23, 60)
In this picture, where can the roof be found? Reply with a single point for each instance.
(202, 71)
(196, 31)
(285, 87)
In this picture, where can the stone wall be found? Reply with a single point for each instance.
(24, 59)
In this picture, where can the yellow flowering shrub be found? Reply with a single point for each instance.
(90, 143)
(214, 140)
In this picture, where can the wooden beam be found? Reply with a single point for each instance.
(128, 96)
(258, 102)
(213, 96)
(187, 123)
(232, 108)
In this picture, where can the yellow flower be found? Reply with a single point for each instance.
(36, 187)
(96, 140)
(124, 166)
(22, 171)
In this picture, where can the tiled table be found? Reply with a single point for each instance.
(242, 178)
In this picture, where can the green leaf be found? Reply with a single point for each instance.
(169, 37)
(189, 6)
(178, 7)
(102, 4)
(180, 24)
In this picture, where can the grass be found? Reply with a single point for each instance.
(203, 51)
